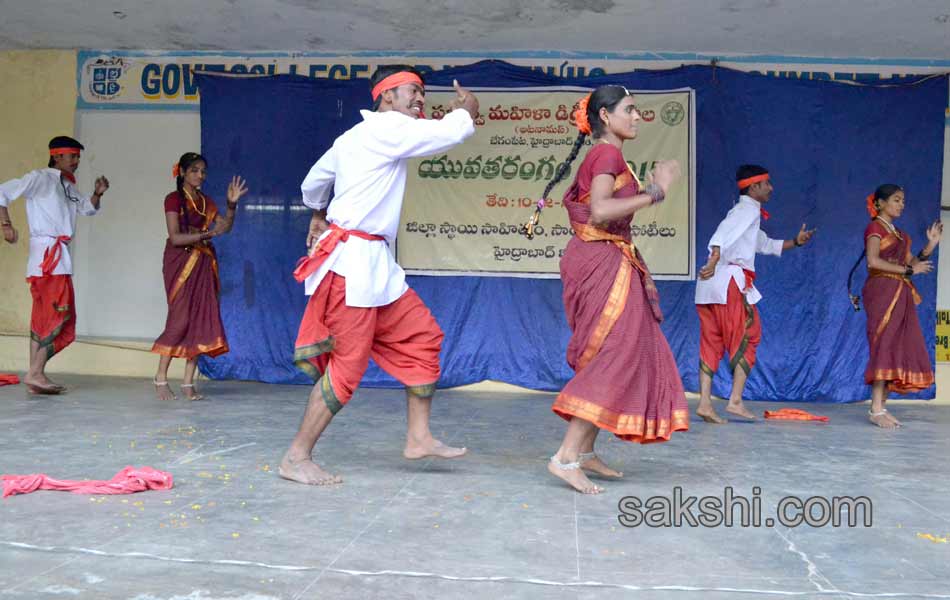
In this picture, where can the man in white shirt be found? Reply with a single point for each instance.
(360, 306)
(52, 203)
(725, 295)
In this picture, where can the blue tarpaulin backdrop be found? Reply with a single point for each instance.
(827, 145)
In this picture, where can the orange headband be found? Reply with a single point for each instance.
(176, 170)
(744, 183)
(395, 80)
(58, 151)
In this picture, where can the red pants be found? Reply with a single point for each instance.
(53, 321)
(734, 327)
(336, 341)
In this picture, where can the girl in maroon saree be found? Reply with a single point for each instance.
(899, 361)
(626, 380)
(190, 269)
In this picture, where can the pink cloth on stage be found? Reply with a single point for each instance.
(7, 379)
(127, 481)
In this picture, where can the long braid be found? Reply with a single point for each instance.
(565, 167)
(559, 174)
(588, 123)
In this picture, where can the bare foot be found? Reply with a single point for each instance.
(893, 419)
(162, 390)
(42, 380)
(431, 447)
(881, 420)
(591, 462)
(740, 410)
(573, 475)
(188, 389)
(42, 385)
(43, 391)
(306, 471)
(709, 415)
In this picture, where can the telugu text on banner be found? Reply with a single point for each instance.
(464, 208)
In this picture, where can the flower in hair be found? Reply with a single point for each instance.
(872, 210)
(580, 115)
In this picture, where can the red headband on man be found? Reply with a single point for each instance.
(395, 80)
(58, 151)
(744, 183)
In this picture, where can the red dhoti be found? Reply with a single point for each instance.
(733, 327)
(53, 321)
(336, 341)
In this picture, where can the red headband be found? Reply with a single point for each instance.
(744, 183)
(395, 80)
(58, 151)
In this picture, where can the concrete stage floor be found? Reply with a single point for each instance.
(492, 525)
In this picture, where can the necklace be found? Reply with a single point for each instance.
(889, 227)
(204, 202)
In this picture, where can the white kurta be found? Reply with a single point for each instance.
(366, 170)
(739, 239)
(52, 204)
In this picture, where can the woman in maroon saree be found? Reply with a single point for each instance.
(899, 361)
(626, 380)
(190, 269)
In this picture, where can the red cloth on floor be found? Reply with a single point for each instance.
(794, 414)
(9, 379)
(127, 481)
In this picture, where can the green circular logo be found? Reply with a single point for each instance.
(672, 113)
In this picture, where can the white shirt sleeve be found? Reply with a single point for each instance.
(730, 229)
(319, 181)
(412, 138)
(15, 188)
(766, 245)
(86, 207)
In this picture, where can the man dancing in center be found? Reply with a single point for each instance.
(725, 295)
(360, 306)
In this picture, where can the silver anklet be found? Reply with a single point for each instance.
(565, 466)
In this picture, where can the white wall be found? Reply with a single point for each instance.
(118, 252)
